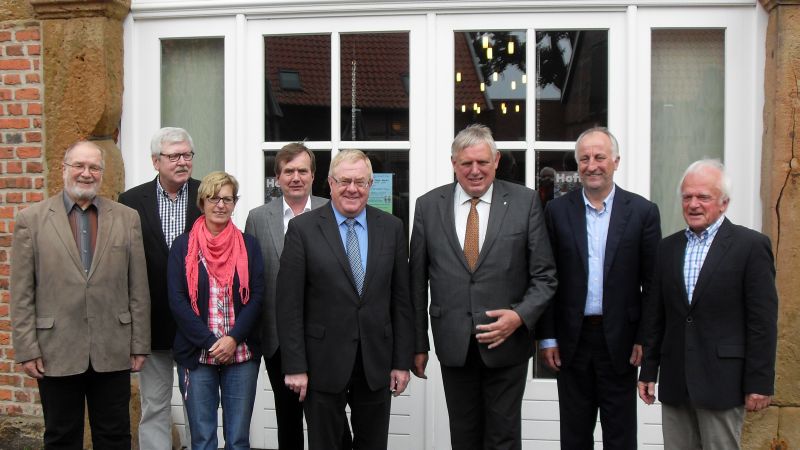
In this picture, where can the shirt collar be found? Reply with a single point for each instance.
(69, 203)
(361, 218)
(709, 232)
(163, 192)
(463, 197)
(288, 209)
(607, 202)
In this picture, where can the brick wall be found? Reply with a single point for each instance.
(21, 183)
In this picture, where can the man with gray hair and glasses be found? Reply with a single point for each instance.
(167, 206)
(711, 321)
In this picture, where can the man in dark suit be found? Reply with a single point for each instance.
(167, 207)
(345, 320)
(482, 245)
(295, 166)
(711, 323)
(604, 240)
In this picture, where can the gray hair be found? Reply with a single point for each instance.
(349, 155)
(723, 182)
(474, 134)
(90, 144)
(169, 135)
(604, 130)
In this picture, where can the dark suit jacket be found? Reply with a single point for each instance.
(321, 318)
(266, 224)
(514, 270)
(722, 345)
(193, 333)
(634, 232)
(142, 198)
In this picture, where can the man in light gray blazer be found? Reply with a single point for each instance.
(294, 169)
(80, 305)
(482, 244)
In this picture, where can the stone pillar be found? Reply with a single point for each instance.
(82, 56)
(780, 193)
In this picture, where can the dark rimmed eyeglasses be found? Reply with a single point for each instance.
(173, 157)
(225, 200)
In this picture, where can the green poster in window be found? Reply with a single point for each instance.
(380, 195)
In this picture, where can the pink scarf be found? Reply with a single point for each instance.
(225, 255)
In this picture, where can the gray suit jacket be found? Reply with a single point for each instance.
(515, 270)
(68, 317)
(266, 224)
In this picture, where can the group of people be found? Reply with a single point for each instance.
(332, 297)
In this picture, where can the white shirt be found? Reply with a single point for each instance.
(462, 206)
(288, 214)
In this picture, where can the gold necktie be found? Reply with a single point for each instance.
(471, 235)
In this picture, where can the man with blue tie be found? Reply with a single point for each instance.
(604, 241)
(345, 319)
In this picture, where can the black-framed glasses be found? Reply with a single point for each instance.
(173, 157)
(94, 170)
(346, 182)
(225, 200)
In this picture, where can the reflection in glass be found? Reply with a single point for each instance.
(297, 88)
(687, 111)
(557, 174)
(571, 83)
(375, 89)
(490, 82)
(190, 66)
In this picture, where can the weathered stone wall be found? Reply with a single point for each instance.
(780, 193)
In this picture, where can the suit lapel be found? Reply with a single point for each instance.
(330, 231)
(716, 254)
(497, 212)
(275, 224)
(105, 219)
(448, 218)
(577, 221)
(620, 213)
(192, 211)
(375, 235)
(60, 223)
(678, 255)
(150, 201)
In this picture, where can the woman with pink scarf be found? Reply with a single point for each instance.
(216, 283)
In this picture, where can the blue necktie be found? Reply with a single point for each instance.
(354, 254)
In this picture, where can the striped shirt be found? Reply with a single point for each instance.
(696, 251)
(172, 212)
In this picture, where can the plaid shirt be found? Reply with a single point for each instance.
(221, 318)
(696, 251)
(172, 212)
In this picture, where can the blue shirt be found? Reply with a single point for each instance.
(361, 232)
(597, 221)
(695, 255)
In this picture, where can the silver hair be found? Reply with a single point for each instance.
(473, 135)
(604, 130)
(169, 135)
(349, 155)
(723, 182)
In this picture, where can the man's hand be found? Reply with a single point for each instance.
(398, 381)
(756, 402)
(223, 350)
(552, 358)
(497, 332)
(647, 392)
(34, 368)
(297, 383)
(636, 355)
(420, 363)
(137, 361)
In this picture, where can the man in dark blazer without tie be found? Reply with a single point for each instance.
(345, 320)
(482, 246)
(711, 323)
(604, 240)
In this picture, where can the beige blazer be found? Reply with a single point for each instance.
(70, 318)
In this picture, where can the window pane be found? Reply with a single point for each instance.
(571, 83)
(557, 174)
(375, 88)
(687, 111)
(490, 82)
(297, 88)
(189, 66)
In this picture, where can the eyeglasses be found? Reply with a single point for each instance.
(344, 183)
(225, 200)
(94, 170)
(173, 157)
